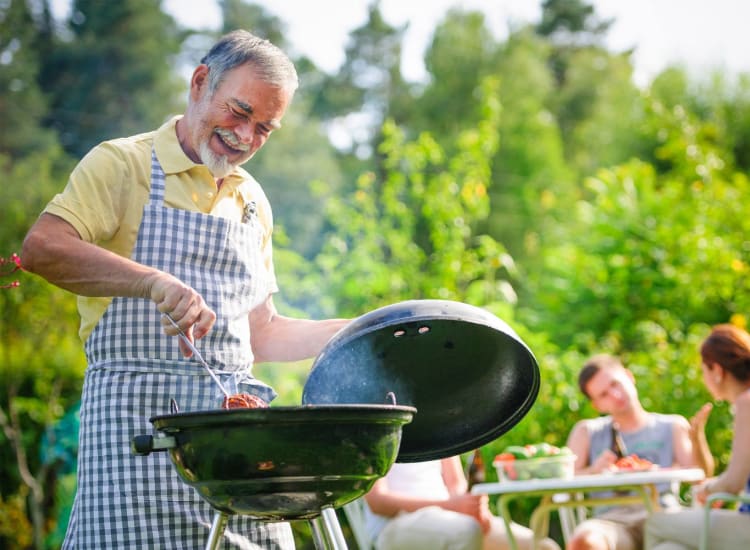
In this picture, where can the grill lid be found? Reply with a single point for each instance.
(469, 375)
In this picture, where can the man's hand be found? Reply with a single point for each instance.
(603, 462)
(184, 305)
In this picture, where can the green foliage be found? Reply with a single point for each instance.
(529, 172)
(367, 84)
(570, 18)
(23, 105)
(103, 83)
(591, 216)
(457, 60)
(237, 14)
(647, 249)
(41, 359)
(412, 234)
(599, 123)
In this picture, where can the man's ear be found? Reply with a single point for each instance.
(199, 82)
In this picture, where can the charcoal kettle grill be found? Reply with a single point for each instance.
(462, 378)
(281, 463)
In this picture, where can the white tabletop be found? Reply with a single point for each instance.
(592, 481)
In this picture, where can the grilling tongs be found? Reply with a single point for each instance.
(197, 354)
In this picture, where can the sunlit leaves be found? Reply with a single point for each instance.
(412, 231)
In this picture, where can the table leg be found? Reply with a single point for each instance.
(502, 504)
(539, 521)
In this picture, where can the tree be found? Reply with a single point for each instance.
(413, 233)
(722, 103)
(368, 82)
(23, 106)
(598, 103)
(530, 178)
(596, 100)
(113, 77)
(237, 14)
(570, 25)
(41, 361)
(457, 60)
(571, 20)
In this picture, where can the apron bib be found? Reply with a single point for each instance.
(128, 501)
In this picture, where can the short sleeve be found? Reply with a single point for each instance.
(95, 198)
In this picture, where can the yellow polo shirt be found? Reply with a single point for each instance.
(107, 190)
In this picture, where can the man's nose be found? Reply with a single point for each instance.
(245, 131)
(617, 393)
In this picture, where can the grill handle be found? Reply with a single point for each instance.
(143, 445)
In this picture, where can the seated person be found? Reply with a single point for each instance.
(725, 355)
(663, 439)
(426, 505)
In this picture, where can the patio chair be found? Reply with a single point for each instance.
(569, 516)
(724, 497)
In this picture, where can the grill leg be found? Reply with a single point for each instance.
(326, 531)
(218, 525)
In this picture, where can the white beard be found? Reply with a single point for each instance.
(218, 165)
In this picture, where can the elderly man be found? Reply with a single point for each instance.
(663, 439)
(166, 223)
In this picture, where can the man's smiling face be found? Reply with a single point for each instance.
(231, 124)
(612, 390)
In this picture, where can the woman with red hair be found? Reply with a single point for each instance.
(725, 355)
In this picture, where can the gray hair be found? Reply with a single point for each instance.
(241, 47)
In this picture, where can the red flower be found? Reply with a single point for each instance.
(15, 260)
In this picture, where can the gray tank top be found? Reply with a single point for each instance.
(653, 442)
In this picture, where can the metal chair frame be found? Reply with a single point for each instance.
(723, 497)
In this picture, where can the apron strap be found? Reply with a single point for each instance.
(158, 178)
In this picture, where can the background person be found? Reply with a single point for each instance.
(425, 505)
(663, 439)
(725, 356)
(166, 222)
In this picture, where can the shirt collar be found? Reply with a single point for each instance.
(173, 159)
(171, 156)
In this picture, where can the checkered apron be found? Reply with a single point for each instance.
(128, 501)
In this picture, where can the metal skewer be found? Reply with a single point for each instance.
(197, 354)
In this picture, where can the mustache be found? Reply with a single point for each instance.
(231, 139)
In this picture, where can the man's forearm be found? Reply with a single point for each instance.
(53, 251)
(289, 339)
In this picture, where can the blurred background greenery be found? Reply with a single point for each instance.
(529, 176)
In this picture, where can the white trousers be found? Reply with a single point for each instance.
(682, 530)
(434, 528)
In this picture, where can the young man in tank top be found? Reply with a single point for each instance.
(663, 439)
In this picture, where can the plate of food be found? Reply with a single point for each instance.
(632, 463)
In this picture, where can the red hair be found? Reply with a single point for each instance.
(729, 346)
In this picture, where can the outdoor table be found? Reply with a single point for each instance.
(640, 487)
